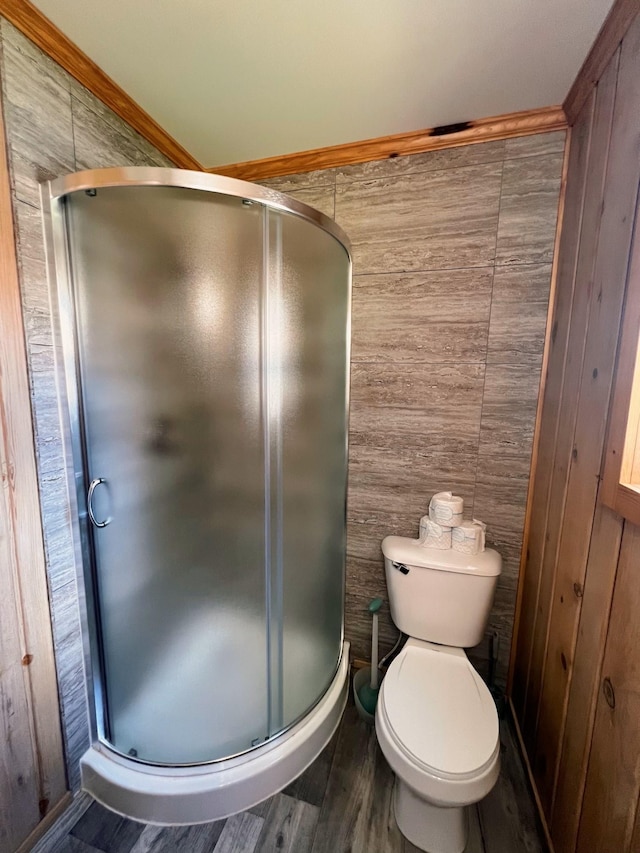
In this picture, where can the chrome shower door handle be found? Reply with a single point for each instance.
(92, 487)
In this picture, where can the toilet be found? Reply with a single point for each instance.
(436, 721)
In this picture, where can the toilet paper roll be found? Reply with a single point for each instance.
(446, 509)
(434, 535)
(468, 537)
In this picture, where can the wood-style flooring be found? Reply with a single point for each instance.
(341, 804)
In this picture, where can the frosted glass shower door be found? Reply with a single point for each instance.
(168, 317)
(308, 344)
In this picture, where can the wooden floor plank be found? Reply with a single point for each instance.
(311, 786)
(57, 835)
(262, 809)
(376, 828)
(475, 843)
(507, 814)
(240, 834)
(74, 845)
(289, 826)
(106, 831)
(171, 839)
(356, 815)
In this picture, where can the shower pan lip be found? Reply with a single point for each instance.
(160, 176)
(175, 796)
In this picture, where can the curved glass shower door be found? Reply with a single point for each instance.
(211, 351)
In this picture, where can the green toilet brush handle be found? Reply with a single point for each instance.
(374, 606)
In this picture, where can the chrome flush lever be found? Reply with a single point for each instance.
(92, 487)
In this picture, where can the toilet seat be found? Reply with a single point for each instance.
(440, 711)
(437, 724)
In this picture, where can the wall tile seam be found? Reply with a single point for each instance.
(330, 185)
(132, 140)
(342, 183)
(494, 265)
(392, 271)
(458, 362)
(16, 198)
(484, 386)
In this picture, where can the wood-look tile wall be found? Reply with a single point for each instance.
(452, 259)
(576, 683)
(55, 126)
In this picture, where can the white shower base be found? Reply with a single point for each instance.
(187, 795)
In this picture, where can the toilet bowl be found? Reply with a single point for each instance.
(436, 720)
(437, 726)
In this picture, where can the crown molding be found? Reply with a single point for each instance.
(417, 142)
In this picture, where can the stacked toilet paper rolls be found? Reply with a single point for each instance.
(434, 535)
(444, 528)
(468, 537)
(445, 509)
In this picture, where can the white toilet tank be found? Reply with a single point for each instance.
(440, 596)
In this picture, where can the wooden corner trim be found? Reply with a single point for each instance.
(417, 142)
(42, 32)
(616, 24)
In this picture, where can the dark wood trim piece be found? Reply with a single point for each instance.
(417, 142)
(611, 34)
(42, 32)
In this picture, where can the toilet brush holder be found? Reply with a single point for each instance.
(365, 689)
(360, 678)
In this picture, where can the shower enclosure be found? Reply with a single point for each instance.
(204, 328)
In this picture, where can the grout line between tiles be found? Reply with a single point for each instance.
(423, 270)
(484, 378)
(502, 158)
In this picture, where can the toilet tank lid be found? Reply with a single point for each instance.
(411, 553)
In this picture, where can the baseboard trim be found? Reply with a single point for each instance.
(48, 839)
(513, 720)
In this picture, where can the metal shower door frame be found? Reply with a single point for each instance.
(69, 386)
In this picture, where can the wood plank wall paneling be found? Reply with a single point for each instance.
(555, 465)
(568, 251)
(611, 34)
(507, 126)
(607, 276)
(553, 299)
(613, 778)
(583, 753)
(42, 32)
(581, 704)
(31, 759)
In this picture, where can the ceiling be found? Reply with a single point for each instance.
(235, 80)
